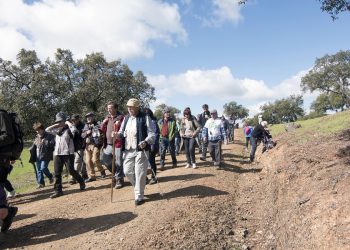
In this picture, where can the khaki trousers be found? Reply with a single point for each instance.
(92, 160)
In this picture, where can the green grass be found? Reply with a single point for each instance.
(22, 177)
(321, 126)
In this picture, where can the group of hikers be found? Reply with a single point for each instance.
(126, 145)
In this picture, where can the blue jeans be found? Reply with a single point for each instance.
(107, 158)
(164, 145)
(42, 168)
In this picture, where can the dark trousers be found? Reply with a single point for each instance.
(164, 144)
(254, 143)
(4, 172)
(247, 141)
(3, 200)
(152, 161)
(190, 149)
(215, 150)
(59, 162)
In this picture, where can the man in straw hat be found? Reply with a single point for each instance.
(137, 134)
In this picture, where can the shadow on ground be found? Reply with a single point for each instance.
(185, 177)
(60, 228)
(197, 191)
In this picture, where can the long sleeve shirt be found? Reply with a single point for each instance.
(214, 130)
(64, 142)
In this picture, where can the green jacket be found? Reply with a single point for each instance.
(172, 128)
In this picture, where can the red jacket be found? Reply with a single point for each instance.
(119, 117)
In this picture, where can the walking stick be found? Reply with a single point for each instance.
(113, 168)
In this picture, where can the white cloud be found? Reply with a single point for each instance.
(225, 11)
(221, 86)
(120, 29)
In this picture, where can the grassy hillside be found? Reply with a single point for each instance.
(322, 126)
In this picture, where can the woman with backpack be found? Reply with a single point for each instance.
(247, 130)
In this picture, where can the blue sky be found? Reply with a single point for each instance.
(192, 51)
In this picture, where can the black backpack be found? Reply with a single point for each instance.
(14, 150)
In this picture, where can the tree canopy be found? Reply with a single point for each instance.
(330, 75)
(235, 111)
(158, 113)
(37, 90)
(283, 110)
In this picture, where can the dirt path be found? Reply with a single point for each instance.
(240, 207)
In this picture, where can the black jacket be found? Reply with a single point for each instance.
(259, 132)
(42, 148)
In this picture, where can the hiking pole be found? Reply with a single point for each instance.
(113, 167)
(154, 174)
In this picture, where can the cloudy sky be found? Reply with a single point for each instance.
(192, 51)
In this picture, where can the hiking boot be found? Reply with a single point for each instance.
(194, 165)
(202, 158)
(103, 174)
(82, 186)
(188, 165)
(6, 224)
(72, 182)
(139, 202)
(11, 194)
(52, 180)
(90, 179)
(56, 194)
(40, 186)
(153, 181)
(119, 184)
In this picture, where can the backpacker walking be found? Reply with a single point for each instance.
(7, 138)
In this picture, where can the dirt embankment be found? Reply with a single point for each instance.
(294, 197)
(302, 195)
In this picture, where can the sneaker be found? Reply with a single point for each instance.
(217, 164)
(153, 180)
(82, 186)
(139, 202)
(6, 224)
(11, 194)
(202, 158)
(85, 176)
(194, 165)
(52, 180)
(147, 180)
(103, 174)
(188, 165)
(174, 165)
(119, 184)
(56, 194)
(90, 179)
(40, 186)
(161, 168)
